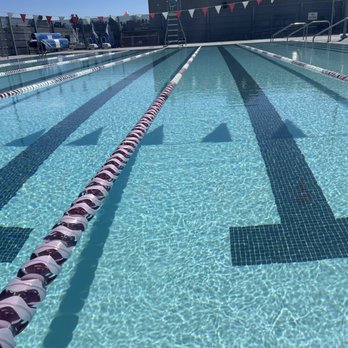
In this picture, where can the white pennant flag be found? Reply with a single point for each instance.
(10, 14)
(272, 1)
(192, 11)
(245, 3)
(218, 8)
(35, 17)
(88, 20)
(61, 18)
(165, 14)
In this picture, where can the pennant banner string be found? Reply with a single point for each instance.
(152, 15)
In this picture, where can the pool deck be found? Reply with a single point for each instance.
(320, 39)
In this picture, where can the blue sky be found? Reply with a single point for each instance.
(67, 7)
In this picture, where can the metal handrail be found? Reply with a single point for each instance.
(305, 29)
(329, 28)
(287, 27)
(296, 31)
(321, 21)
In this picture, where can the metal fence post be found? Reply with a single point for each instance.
(344, 32)
(10, 14)
(2, 38)
(34, 21)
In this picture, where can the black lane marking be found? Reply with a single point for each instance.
(27, 140)
(15, 173)
(88, 139)
(12, 240)
(308, 229)
(219, 135)
(155, 137)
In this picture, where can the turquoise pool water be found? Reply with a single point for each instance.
(154, 267)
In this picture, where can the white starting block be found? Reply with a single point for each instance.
(92, 46)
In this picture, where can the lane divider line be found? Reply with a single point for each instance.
(336, 75)
(67, 77)
(19, 299)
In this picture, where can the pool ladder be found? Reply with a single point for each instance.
(304, 26)
(174, 32)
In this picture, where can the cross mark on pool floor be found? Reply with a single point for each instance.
(308, 229)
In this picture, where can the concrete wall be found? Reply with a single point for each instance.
(253, 22)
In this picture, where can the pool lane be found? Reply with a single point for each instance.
(308, 230)
(332, 60)
(16, 172)
(296, 72)
(21, 78)
(166, 264)
(35, 62)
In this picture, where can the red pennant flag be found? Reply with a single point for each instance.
(101, 19)
(258, 2)
(232, 6)
(178, 13)
(126, 14)
(49, 19)
(205, 10)
(74, 19)
(152, 15)
(23, 15)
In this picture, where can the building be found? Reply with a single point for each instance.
(259, 19)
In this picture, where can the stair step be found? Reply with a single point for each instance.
(175, 33)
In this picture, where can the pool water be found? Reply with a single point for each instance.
(11, 64)
(36, 72)
(331, 58)
(157, 266)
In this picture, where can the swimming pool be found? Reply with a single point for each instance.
(166, 260)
